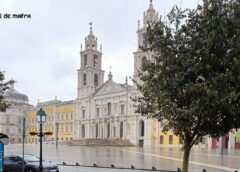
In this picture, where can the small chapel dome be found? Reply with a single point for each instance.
(13, 94)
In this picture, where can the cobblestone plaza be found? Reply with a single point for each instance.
(140, 158)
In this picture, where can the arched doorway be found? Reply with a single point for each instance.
(121, 129)
(83, 131)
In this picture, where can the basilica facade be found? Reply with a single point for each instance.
(105, 109)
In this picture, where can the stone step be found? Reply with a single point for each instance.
(101, 142)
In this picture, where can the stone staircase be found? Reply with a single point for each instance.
(101, 142)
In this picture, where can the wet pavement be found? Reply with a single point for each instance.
(141, 158)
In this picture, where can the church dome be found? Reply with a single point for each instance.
(13, 94)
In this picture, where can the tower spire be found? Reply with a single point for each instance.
(150, 1)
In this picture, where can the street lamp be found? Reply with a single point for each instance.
(41, 116)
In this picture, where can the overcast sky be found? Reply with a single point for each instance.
(42, 53)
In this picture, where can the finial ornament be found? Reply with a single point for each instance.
(91, 26)
(151, 1)
(110, 69)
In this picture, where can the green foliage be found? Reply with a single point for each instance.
(3, 87)
(192, 82)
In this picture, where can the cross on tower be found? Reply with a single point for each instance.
(110, 69)
(91, 25)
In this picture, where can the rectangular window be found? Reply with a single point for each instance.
(71, 116)
(170, 139)
(83, 113)
(161, 139)
(109, 108)
(122, 109)
(98, 111)
(85, 61)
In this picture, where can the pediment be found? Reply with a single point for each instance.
(109, 87)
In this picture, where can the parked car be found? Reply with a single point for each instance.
(13, 163)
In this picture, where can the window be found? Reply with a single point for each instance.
(71, 116)
(141, 128)
(96, 131)
(95, 61)
(84, 79)
(85, 61)
(161, 139)
(71, 127)
(145, 40)
(108, 130)
(95, 80)
(83, 113)
(109, 108)
(62, 117)
(170, 139)
(97, 111)
(122, 109)
(121, 129)
(144, 62)
(19, 130)
(114, 132)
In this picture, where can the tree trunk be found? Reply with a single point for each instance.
(186, 154)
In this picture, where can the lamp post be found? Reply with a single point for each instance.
(41, 116)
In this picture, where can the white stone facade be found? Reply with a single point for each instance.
(105, 109)
(11, 121)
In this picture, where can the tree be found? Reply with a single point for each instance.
(3, 87)
(192, 82)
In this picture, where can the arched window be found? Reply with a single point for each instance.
(108, 130)
(95, 80)
(144, 62)
(109, 108)
(83, 131)
(85, 61)
(84, 79)
(145, 39)
(121, 129)
(95, 61)
(141, 127)
(96, 130)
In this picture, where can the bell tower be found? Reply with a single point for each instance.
(140, 57)
(90, 74)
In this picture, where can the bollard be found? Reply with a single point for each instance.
(204, 170)
(77, 164)
(64, 163)
(153, 168)
(112, 166)
(95, 165)
(132, 167)
(178, 170)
